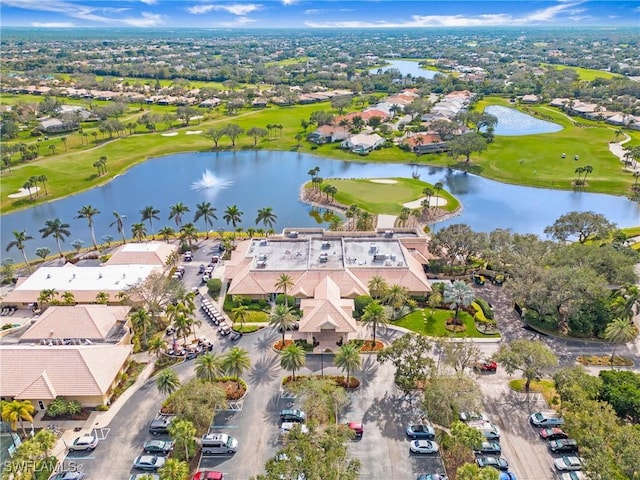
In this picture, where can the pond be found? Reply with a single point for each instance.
(257, 179)
(406, 67)
(512, 122)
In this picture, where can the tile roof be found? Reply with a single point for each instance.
(327, 310)
(42, 372)
(148, 253)
(81, 321)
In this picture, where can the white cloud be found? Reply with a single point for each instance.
(286, 3)
(313, 11)
(87, 13)
(546, 15)
(235, 9)
(149, 2)
(54, 24)
(238, 22)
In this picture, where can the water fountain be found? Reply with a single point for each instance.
(210, 181)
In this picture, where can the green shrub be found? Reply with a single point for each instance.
(486, 309)
(102, 408)
(280, 300)
(360, 303)
(263, 303)
(214, 286)
(74, 407)
(57, 408)
(7, 326)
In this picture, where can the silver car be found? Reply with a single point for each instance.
(84, 442)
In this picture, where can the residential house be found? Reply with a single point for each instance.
(422, 143)
(328, 134)
(363, 143)
(530, 99)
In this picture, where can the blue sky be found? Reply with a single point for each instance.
(316, 14)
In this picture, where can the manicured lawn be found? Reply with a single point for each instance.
(585, 74)
(421, 321)
(546, 387)
(382, 197)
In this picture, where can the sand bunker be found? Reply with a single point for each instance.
(194, 132)
(383, 180)
(23, 192)
(433, 202)
(170, 134)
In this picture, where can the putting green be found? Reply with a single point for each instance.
(386, 196)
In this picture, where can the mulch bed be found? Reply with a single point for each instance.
(84, 415)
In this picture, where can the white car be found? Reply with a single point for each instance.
(424, 446)
(84, 442)
(568, 463)
(286, 427)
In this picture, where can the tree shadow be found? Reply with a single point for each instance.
(392, 413)
(264, 370)
(266, 339)
(369, 370)
(468, 167)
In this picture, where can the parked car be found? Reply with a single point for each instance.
(357, 428)
(563, 445)
(292, 415)
(572, 476)
(286, 427)
(145, 476)
(488, 430)
(208, 475)
(488, 448)
(552, 434)
(201, 269)
(149, 462)
(67, 475)
(235, 336)
(218, 443)
(498, 463)
(424, 446)
(568, 462)
(421, 431)
(84, 442)
(473, 416)
(486, 366)
(507, 476)
(160, 424)
(546, 419)
(158, 446)
(432, 476)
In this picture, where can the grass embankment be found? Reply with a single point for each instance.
(385, 198)
(533, 160)
(434, 325)
(585, 74)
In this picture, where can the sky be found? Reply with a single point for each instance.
(317, 14)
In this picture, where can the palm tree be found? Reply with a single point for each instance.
(377, 287)
(293, 358)
(166, 233)
(348, 359)
(240, 314)
(58, 230)
(266, 216)
(619, 331)
(284, 283)
(141, 321)
(189, 233)
(282, 319)
(139, 231)
(235, 362)
(205, 211)
(102, 298)
(19, 238)
(396, 296)
(68, 298)
(43, 179)
(209, 367)
(157, 345)
(176, 211)
(150, 213)
(374, 315)
(437, 187)
(64, 141)
(174, 469)
(458, 294)
(88, 212)
(183, 433)
(167, 381)
(47, 295)
(43, 252)
(119, 222)
(18, 411)
(587, 170)
(232, 215)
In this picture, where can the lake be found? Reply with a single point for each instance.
(257, 179)
(512, 122)
(406, 67)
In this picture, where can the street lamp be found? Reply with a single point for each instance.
(322, 363)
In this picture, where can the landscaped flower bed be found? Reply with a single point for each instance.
(279, 345)
(368, 345)
(339, 380)
(604, 361)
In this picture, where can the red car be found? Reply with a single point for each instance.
(357, 428)
(208, 475)
(486, 366)
(553, 434)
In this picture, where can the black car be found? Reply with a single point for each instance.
(292, 415)
(563, 445)
(235, 336)
(160, 424)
